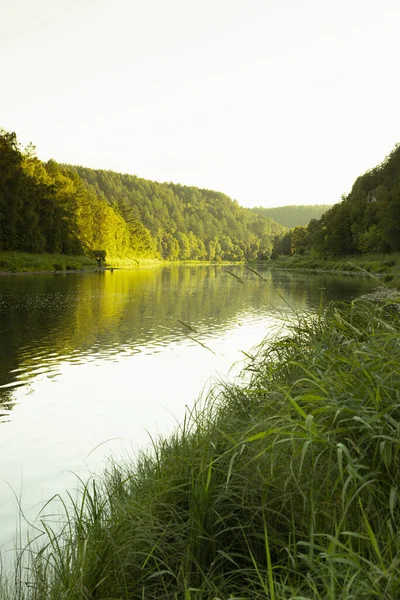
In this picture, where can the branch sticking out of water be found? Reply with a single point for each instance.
(240, 280)
(192, 338)
(190, 327)
(255, 272)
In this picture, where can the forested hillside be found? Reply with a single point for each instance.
(293, 215)
(184, 222)
(367, 220)
(48, 207)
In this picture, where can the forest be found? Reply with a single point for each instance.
(367, 220)
(183, 222)
(51, 207)
(59, 208)
(293, 215)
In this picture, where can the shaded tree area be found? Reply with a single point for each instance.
(31, 216)
(185, 222)
(293, 215)
(367, 220)
(46, 207)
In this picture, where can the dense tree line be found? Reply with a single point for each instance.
(48, 207)
(293, 215)
(32, 217)
(184, 222)
(367, 220)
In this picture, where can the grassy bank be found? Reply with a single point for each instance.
(25, 262)
(20, 262)
(386, 266)
(286, 487)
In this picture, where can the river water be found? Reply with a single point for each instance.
(91, 364)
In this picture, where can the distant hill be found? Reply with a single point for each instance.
(293, 215)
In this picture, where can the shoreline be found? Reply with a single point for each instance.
(381, 267)
(48, 272)
(361, 273)
(148, 263)
(178, 263)
(388, 279)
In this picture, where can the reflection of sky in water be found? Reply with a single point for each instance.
(108, 361)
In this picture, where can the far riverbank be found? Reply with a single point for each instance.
(20, 263)
(385, 267)
(24, 262)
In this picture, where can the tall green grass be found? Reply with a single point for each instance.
(287, 487)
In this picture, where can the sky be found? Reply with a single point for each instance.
(272, 102)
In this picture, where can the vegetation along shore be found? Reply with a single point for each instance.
(385, 267)
(286, 486)
(20, 262)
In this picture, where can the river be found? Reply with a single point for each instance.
(92, 364)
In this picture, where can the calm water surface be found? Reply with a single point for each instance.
(90, 363)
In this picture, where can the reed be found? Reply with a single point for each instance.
(284, 487)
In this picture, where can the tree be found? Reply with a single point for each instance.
(299, 240)
(99, 256)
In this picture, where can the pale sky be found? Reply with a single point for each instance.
(271, 101)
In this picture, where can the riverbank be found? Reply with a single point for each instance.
(285, 487)
(382, 266)
(24, 262)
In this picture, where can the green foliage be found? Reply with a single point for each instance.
(293, 215)
(282, 245)
(284, 487)
(371, 239)
(186, 223)
(99, 256)
(367, 220)
(18, 262)
(20, 227)
(46, 208)
(60, 208)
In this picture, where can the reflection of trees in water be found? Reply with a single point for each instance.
(306, 290)
(46, 318)
(6, 404)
